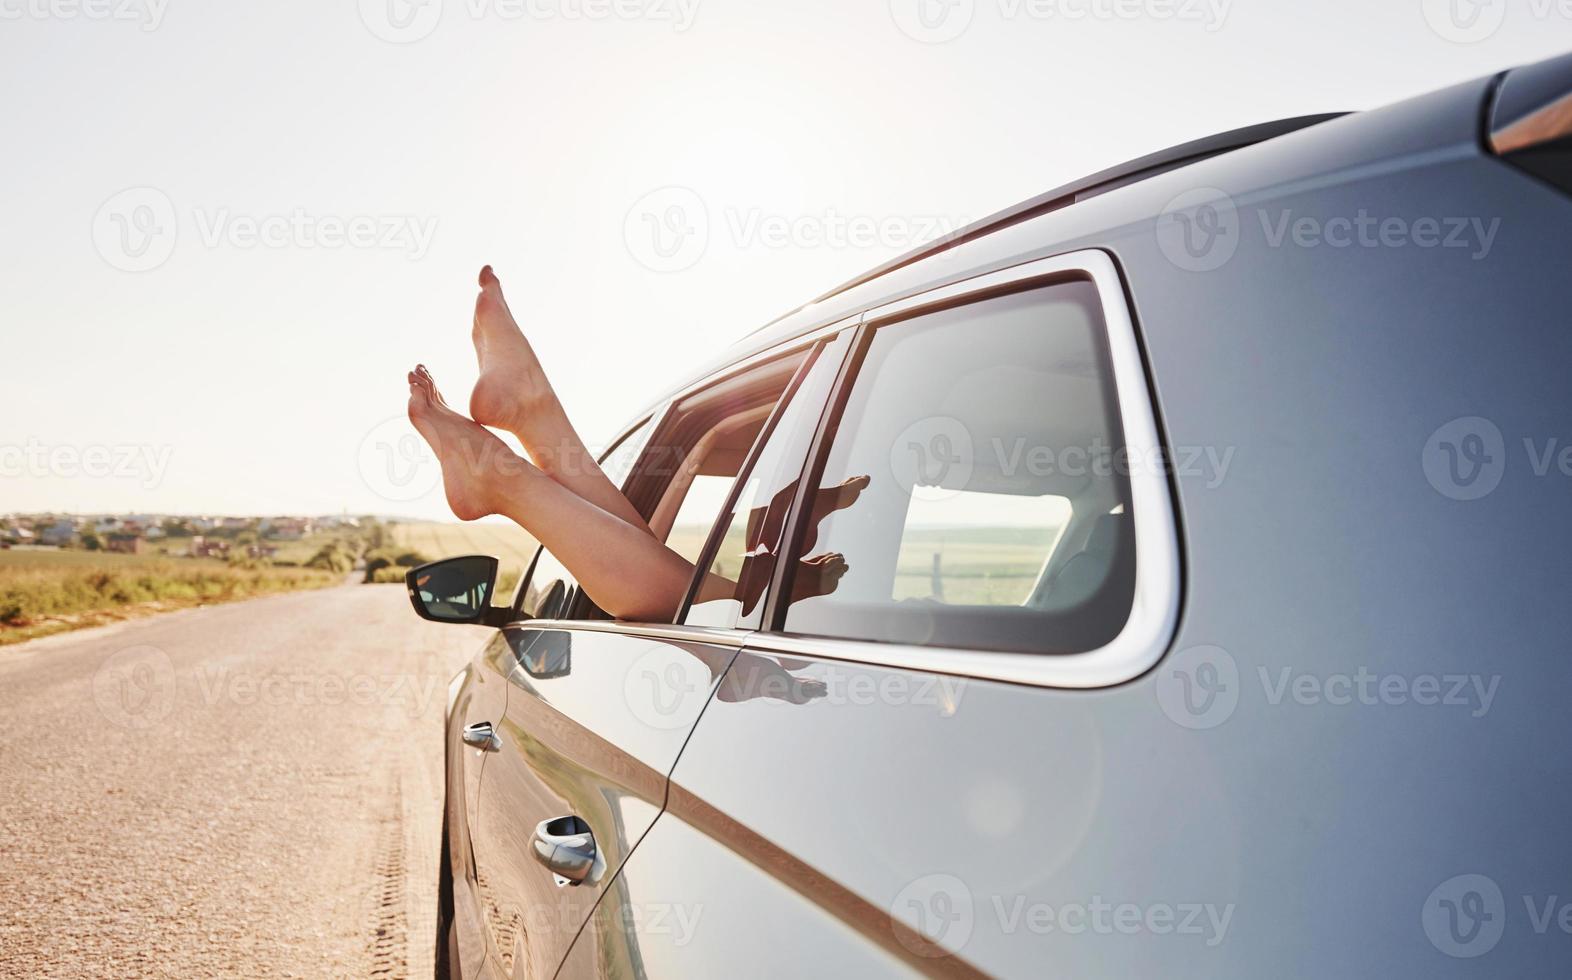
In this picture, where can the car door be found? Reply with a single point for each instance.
(885, 782)
(598, 711)
(481, 695)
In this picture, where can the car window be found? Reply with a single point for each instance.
(694, 460)
(548, 590)
(739, 570)
(993, 509)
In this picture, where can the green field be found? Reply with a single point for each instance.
(507, 542)
(976, 566)
(44, 592)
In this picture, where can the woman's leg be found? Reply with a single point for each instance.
(513, 394)
(622, 567)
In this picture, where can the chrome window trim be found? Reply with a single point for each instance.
(716, 376)
(1154, 611)
(664, 632)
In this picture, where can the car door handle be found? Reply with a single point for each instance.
(481, 735)
(566, 847)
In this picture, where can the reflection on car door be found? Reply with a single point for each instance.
(481, 702)
(594, 722)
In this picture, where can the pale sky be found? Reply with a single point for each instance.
(314, 184)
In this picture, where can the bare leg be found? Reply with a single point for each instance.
(513, 394)
(622, 567)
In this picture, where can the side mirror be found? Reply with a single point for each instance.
(457, 590)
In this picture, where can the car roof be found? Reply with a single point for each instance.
(1091, 185)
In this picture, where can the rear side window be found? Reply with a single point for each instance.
(993, 509)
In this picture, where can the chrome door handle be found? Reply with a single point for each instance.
(566, 847)
(482, 736)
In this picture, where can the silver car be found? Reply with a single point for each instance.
(1164, 577)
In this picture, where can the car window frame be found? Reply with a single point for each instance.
(821, 346)
(1155, 603)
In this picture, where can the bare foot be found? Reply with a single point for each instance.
(472, 458)
(512, 390)
(819, 575)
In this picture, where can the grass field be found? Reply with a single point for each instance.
(507, 542)
(44, 592)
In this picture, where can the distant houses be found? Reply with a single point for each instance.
(203, 536)
(203, 547)
(286, 528)
(59, 534)
(125, 543)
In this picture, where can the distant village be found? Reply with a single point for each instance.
(197, 537)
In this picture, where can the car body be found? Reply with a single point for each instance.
(1232, 641)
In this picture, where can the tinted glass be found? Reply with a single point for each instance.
(457, 590)
(976, 491)
(739, 572)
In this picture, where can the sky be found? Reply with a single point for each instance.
(231, 228)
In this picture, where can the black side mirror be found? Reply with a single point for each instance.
(457, 590)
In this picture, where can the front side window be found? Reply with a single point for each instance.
(550, 588)
(993, 506)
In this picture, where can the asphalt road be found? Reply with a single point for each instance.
(246, 790)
